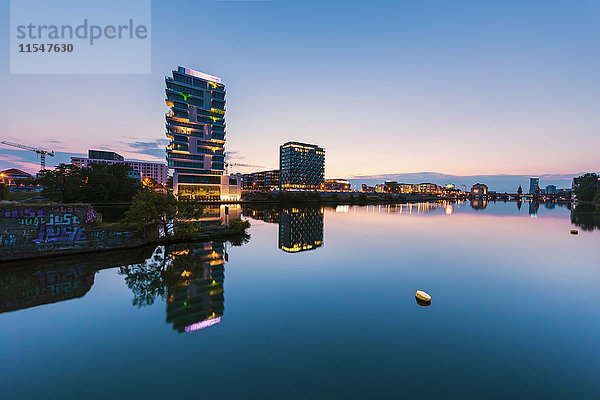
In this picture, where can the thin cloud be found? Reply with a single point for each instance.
(154, 148)
(13, 161)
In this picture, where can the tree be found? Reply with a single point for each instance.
(150, 208)
(3, 191)
(586, 187)
(98, 183)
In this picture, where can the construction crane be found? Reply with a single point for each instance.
(228, 164)
(43, 153)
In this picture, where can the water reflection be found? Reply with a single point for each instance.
(478, 203)
(188, 276)
(586, 220)
(26, 284)
(533, 208)
(24, 288)
(196, 301)
(300, 230)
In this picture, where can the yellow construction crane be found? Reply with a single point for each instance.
(43, 153)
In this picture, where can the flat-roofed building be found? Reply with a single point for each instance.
(336, 185)
(262, 180)
(153, 170)
(301, 166)
(479, 190)
(12, 176)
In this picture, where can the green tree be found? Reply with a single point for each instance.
(586, 187)
(3, 191)
(98, 183)
(150, 208)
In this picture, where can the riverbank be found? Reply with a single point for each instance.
(339, 198)
(43, 230)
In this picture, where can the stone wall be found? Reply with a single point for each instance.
(31, 230)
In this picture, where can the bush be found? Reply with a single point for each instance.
(238, 225)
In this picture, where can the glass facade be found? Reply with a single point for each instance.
(534, 183)
(195, 126)
(301, 166)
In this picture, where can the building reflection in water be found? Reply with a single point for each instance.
(533, 208)
(196, 301)
(188, 276)
(24, 288)
(217, 214)
(30, 283)
(415, 208)
(478, 203)
(300, 229)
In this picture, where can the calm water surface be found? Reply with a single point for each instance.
(319, 303)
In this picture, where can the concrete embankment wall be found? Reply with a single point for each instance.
(34, 230)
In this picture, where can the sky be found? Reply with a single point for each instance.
(460, 88)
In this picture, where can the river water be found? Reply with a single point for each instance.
(319, 303)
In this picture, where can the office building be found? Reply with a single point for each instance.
(534, 184)
(335, 185)
(263, 180)
(301, 166)
(140, 169)
(195, 126)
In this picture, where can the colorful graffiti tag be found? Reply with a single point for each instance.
(42, 228)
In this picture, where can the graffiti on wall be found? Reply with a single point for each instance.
(44, 227)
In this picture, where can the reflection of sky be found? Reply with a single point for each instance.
(514, 310)
(549, 210)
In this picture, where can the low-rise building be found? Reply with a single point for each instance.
(152, 170)
(262, 180)
(12, 176)
(335, 185)
(368, 189)
(479, 190)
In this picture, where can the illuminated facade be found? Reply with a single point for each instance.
(301, 166)
(263, 180)
(12, 176)
(196, 127)
(335, 185)
(408, 188)
(534, 184)
(141, 169)
(300, 229)
(479, 190)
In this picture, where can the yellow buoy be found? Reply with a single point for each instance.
(421, 295)
(574, 232)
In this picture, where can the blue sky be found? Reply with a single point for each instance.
(461, 87)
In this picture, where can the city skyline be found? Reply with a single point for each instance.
(462, 96)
